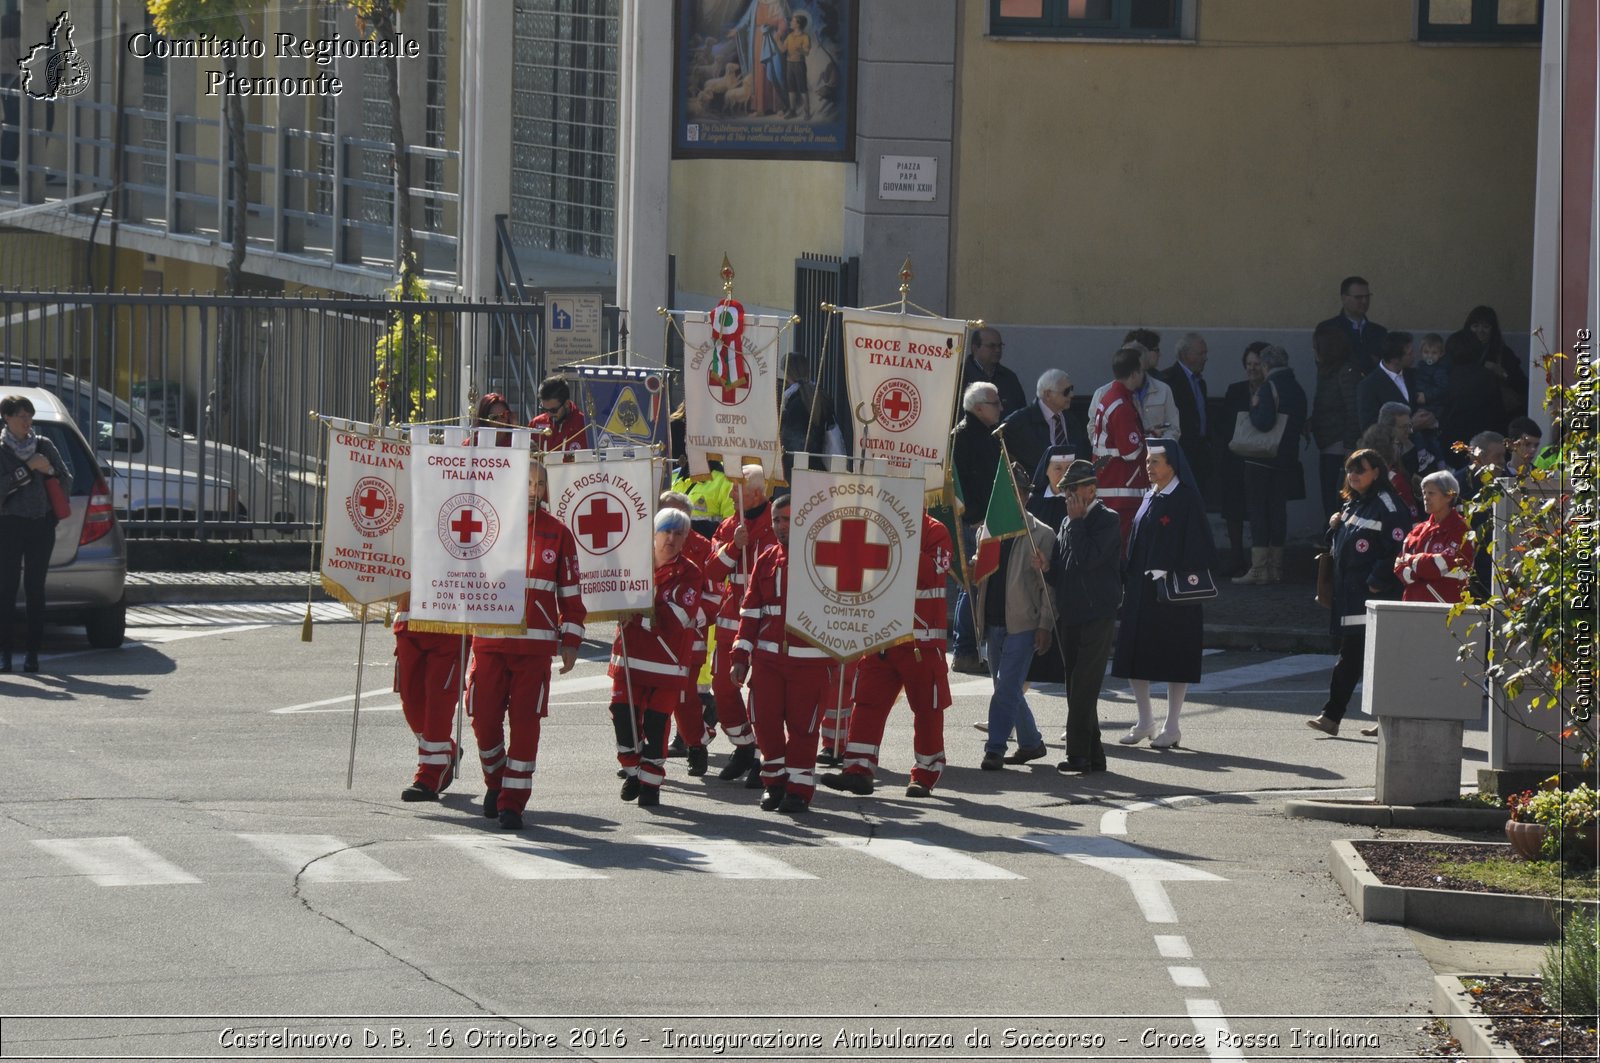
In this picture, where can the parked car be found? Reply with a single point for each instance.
(89, 565)
(165, 402)
(132, 443)
(150, 500)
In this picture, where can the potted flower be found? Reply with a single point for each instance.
(1557, 823)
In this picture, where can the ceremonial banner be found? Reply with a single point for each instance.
(730, 391)
(366, 534)
(625, 407)
(609, 505)
(854, 542)
(469, 531)
(903, 372)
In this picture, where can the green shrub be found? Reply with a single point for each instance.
(1571, 970)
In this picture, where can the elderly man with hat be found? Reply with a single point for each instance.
(1086, 576)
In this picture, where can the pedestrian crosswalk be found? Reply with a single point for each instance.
(325, 859)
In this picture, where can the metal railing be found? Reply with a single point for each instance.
(199, 405)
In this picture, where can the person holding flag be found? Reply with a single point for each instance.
(1016, 611)
(560, 425)
(739, 540)
(510, 678)
(649, 663)
(919, 669)
(1117, 440)
(789, 680)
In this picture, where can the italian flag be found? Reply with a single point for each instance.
(1003, 520)
(947, 511)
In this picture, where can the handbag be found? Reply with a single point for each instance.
(58, 498)
(1325, 580)
(1185, 588)
(1251, 442)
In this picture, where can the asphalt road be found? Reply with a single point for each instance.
(180, 857)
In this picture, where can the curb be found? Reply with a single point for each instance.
(1482, 916)
(183, 593)
(1475, 1031)
(1422, 817)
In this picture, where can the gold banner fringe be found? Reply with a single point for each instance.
(446, 627)
(348, 600)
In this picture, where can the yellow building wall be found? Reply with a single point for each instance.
(763, 214)
(1236, 178)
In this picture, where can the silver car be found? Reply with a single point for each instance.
(89, 566)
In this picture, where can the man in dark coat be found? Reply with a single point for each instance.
(1044, 424)
(1188, 383)
(1366, 336)
(975, 452)
(982, 366)
(1392, 381)
(1086, 574)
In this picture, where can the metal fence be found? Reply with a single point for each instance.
(198, 406)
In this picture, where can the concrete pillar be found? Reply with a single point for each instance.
(644, 159)
(905, 106)
(487, 30)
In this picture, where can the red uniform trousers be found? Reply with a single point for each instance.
(641, 725)
(514, 686)
(927, 689)
(786, 695)
(837, 708)
(732, 713)
(426, 664)
(689, 714)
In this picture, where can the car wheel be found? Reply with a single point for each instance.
(106, 626)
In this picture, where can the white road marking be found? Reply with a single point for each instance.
(115, 862)
(1188, 977)
(1174, 947)
(924, 859)
(1152, 899)
(559, 687)
(516, 858)
(724, 857)
(1143, 872)
(324, 858)
(341, 700)
(1114, 822)
(1210, 1025)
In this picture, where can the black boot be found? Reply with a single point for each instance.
(491, 803)
(649, 796)
(5, 660)
(752, 781)
(419, 792)
(630, 788)
(698, 761)
(510, 819)
(30, 661)
(677, 748)
(741, 761)
(773, 798)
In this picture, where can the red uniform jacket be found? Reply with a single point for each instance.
(761, 630)
(554, 608)
(1117, 438)
(571, 434)
(656, 650)
(1436, 560)
(697, 548)
(730, 563)
(932, 571)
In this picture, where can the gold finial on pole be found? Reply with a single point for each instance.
(905, 282)
(727, 277)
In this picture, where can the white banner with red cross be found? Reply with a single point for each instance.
(608, 501)
(853, 557)
(730, 390)
(469, 530)
(366, 533)
(904, 373)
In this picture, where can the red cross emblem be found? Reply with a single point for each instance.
(851, 556)
(373, 507)
(601, 517)
(898, 403)
(468, 526)
(371, 503)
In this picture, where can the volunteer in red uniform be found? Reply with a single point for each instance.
(427, 676)
(1436, 560)
(788, 678)
(649, 663)
(1117, 439)
(561, 426)
(695, 714)
(510, 675)
(739, 540)
(918, 668)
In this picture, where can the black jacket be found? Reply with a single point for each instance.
(1364, 546)
(976, 455)
(1366, 348)
(1086, 571)
(1012, 397)
(1376, 389)
(1196, 446)
(1027, 436)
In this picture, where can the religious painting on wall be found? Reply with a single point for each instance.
(764, 79)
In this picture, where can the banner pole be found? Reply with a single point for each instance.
(461, 689)
(355, 714)
(627, 682)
